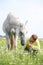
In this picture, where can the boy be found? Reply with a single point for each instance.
(33, 44)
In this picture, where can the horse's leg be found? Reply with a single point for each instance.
(8, 41)
(12, 41)
(15, 42)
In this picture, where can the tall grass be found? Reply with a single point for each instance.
(18, 57)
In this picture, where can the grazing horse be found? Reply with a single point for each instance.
(12, 27)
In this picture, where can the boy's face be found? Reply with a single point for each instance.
(32, 40)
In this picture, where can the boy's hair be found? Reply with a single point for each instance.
(34, 37)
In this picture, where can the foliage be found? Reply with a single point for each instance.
(19, 57)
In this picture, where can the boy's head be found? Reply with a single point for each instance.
(33, 38)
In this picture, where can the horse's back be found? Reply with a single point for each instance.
(10, 22)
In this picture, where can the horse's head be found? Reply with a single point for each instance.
(22, 33)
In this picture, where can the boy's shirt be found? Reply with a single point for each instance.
(35, 45)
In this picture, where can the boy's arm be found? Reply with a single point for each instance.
(28, 44)
(38, 45)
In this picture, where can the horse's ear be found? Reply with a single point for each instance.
(26, 22)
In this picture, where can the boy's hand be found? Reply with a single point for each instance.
(29, 45)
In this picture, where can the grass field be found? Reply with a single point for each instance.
(19, 58)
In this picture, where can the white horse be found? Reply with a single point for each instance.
(13, 28)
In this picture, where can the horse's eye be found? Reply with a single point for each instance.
(21, 33)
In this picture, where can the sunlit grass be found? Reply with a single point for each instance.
(18, 57)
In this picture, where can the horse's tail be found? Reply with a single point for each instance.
(12, 41)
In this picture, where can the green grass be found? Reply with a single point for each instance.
(19, 58)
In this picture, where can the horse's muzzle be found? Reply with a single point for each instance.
(22, 42)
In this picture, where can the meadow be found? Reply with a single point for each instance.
(17, 57)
